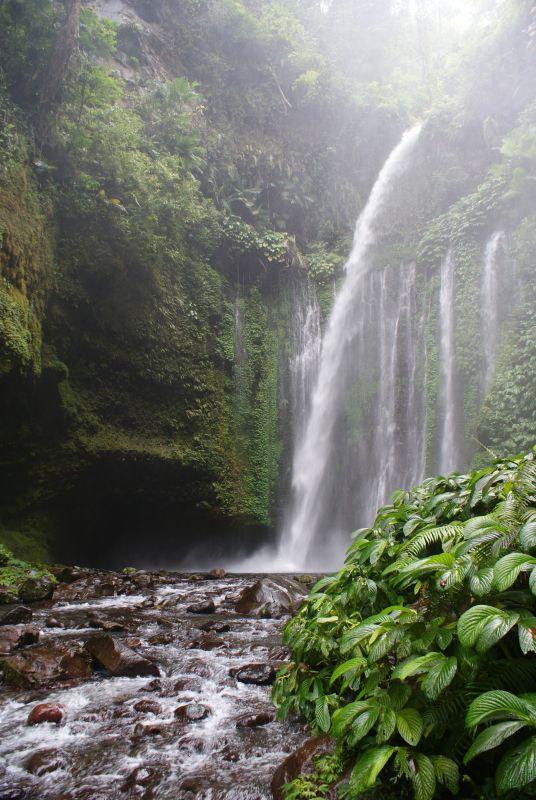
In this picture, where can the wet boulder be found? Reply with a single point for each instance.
(37, 587)
(271, 597)
(192, 712)
(161, 639)
(119, 659)
(254, 720)
(41, 665)
(44, 762)
(46, 712)
(13, 637)
(148, 707)
(206, 642)
(19, 615)
(216, 574)
(256, 674)
(204, 607)
(215, 627)
(301, 762)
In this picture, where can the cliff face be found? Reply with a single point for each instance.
(150, 250)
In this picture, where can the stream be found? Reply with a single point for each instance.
(193, 727)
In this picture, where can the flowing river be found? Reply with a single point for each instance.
(195, 727)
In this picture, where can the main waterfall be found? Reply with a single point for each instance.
(310, 475)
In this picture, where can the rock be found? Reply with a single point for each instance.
(41, 665)
(205, 607)
(37, 587)
(206, 642)
(215, 627)
(148, 707)
(148, 729)
(13, 637)
(7, 597)
(12, 794)
(217, 573)
(43, 762)
(161, 638)
(132, 641)
(153, 686)
(257, 674)
(52, 622)
(46, 712)
(271, 597)
(106, 625)
(119, 659)
(301, 762)
(142, 776)
(192, 712)
(255, 720)
(17, 616)
(191, 684)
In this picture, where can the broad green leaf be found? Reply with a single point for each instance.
(362, 725)
(386, 726)
(527, 534)
(517, 767)
(492, 737)
(447, 772)
(353, 665)
(424, 779)
(368, 766)
(507, 570)
(500, 705)
(532, 581)
(439, 676)
(410, 725)
(482, 582)
(487, 622)
(322, 716)
(344, 716)
(415, 665)
(527, 633)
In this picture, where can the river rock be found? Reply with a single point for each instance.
(205, 607)
(257, 674)
(106, 625)
(42, 665)
(206, 642)
(43, 762)
(301, 762)
(46, 712)
(192, 712)
(271, 597)
(217, 573)
(255, 720)
(161, 639)
(148, 707)
(37, 587)
(119, 659)
(19, 615)
(215, 627)
(13, 637)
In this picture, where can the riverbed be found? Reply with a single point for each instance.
(198, 724)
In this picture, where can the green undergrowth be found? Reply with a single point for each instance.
(418, 657)
(22, 581)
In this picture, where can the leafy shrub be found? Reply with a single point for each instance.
(425, 637)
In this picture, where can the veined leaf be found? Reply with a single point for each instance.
(527, 534)
(352, 665)
(447, 772)
(386, 726)
(517, 767)
(527, 633)
(472, 625)
(415, 665)
(440, 674)
(363, 724)
(507, 570)
(500, 705)
(322, 716)
(492, 737)
(424, 779)
(344, 716)
(482, 582)
(368, 766)
(410, 725)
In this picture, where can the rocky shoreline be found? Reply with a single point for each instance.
(145, 685)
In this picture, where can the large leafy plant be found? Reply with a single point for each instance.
(418, 656)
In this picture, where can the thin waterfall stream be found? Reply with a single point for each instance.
(312, 455)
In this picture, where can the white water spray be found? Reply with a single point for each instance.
(449, 456)
(490, 305)
(314, 450)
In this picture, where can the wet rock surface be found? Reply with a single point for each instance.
(271, 597)
(105, 727)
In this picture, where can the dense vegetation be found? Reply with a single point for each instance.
(164, 187)
(424, 638)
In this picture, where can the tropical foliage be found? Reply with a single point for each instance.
(418, 656)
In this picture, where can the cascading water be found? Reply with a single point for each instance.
(449, 439)
(310, 478)
(305, 355)
(490, 305)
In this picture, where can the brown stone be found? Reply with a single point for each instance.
(13, 637)
(19, 615)
(43, 762)
(192, 712)
(119, 659)
(255, 720)
(217, 573)
(271, 597)
(161, 639)
(46, 712)
(301, 762)
(41, 665)
(148, 707)
(257, 674)
(206, 642)
(215, 627)
(205, 607)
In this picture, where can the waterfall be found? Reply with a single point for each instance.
(305, 353)
(490, 305)
(310, 475)
(449, 449)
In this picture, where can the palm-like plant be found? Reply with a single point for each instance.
(428, 623)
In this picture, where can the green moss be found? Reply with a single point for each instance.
(29, 544)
